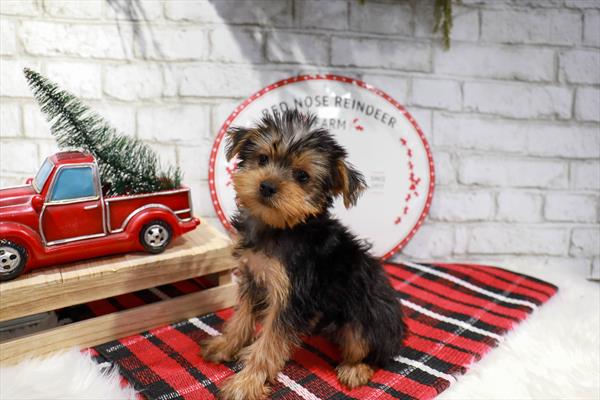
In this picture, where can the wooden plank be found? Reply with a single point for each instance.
(109, 327)
(200, 252)
(225, 277)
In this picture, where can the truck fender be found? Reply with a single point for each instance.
(150, 214)
(24, 236)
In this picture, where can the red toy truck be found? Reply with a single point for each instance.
(61, 215)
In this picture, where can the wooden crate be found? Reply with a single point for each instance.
(201, 252)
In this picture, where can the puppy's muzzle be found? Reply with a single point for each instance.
(267, 189)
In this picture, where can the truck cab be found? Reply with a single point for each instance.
(72, 201)
(62, 215)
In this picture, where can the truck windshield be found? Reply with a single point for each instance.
(42, 175)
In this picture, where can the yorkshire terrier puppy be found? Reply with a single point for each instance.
(301, 271)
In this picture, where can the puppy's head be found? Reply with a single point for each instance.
(289, 169)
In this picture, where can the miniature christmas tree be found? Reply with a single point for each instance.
(126, 164)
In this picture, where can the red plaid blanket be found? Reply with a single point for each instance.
(455, 314)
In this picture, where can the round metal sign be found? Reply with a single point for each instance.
(383, 141)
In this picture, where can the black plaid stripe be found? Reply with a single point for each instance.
(477, 356)
(453, 299)
(450, 328)
(198, 335)
(463, 289)
(307, 380)
(483, 285)
(392, 392)
(411, 372)
(185, 364)
(140, 375)
(297, 374)
(100, 359)
(432, 361)
(477, 323)
(550, 289)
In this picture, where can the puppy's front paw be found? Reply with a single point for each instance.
(355, 375)
(244, 386)
(217, 349)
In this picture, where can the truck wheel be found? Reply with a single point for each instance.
(155, 236)
(12, 260)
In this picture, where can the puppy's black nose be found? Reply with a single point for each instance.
(267, 189)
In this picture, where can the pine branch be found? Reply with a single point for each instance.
(442, 14)
(126, 164)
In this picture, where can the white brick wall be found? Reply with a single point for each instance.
(496, 61)
(516, 100)
(580, 66)
(553, 26)
(512, 110)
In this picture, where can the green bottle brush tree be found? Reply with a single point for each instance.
(126, 164)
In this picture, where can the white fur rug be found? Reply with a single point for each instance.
(553, 355)
(65, 376)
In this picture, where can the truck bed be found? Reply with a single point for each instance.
(120, 209)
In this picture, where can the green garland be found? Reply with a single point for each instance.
(126, 164)
(442, 14)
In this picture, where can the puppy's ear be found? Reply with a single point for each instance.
(236, 137)
(348, 182)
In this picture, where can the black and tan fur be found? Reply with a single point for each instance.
(301, 271)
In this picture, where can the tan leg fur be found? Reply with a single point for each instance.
(237, 333)
(266, 357)
(352, 372)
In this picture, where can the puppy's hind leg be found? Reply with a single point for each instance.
(352, 371)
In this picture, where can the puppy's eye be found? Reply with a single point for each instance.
(263, 160)
(301, 176)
